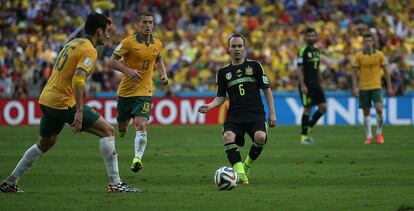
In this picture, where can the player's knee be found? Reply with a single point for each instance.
(122, 127)
(260, 137)
(140, 124)
(378, 109)
(46, 143)
(229, 137)
(366, 111)
(108, 130)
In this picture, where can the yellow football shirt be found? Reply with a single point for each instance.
(77, 54)
(370, 69)
(140, 56)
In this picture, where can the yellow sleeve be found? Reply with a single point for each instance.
(122, 49)
(159, 54)
(87, 61)
(382, 59)
(356, 61)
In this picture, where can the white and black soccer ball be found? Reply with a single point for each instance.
(225, 178)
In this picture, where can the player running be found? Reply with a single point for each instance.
(61, 101)
(242, 80)
(139, 53)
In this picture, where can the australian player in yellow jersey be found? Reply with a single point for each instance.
(370, 65)
(139, 54)
(61, 101)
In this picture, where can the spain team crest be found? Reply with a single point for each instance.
(249, 70)
(228, 76)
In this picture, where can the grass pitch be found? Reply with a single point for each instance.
(339, 172)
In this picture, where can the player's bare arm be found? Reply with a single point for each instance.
(272, 114)
(115, 64)
(387, 75)
(354, 76)
(215, 103)
(161, 69)
(78, 84)
(299, 73)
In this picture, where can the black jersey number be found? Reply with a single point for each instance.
(60, 64)
(241, 90)
(145, 64)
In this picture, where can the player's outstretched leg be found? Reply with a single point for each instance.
(304, 126)
(304, 136)
(380, 123)
(140, 142)
(315, 117)
(255, 150)
(367, 125)
(105, 131)
(28, 159)
(233, 155)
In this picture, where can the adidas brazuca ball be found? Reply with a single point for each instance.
(225, 178)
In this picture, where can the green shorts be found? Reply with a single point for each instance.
(368, 96)
(130, 107)
(53, 120)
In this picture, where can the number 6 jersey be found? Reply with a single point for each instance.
(242, 83)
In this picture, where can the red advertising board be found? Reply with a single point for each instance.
(164, 111)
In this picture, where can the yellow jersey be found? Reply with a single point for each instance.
(141, 56)
(58, 92)
(370, 69)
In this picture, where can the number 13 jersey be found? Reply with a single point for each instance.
(141, 56)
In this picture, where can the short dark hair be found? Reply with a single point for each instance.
(309, 30)
(236, 35)
(144, 13)
(95, 21)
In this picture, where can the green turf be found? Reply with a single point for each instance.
(337, 173)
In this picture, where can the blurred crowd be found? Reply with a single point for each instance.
(194, 34)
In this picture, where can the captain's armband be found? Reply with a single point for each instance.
(78, 81)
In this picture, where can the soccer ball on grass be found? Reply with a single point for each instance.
(225, 178)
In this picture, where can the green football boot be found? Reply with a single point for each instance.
(136, 164)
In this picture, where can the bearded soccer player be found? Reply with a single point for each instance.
(61, 101)
(310, 89)
(369, 64)
(242, 80)
(139, 54)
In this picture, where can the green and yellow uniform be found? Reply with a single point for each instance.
(370, 73)
(57, 100)
(134, 98)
